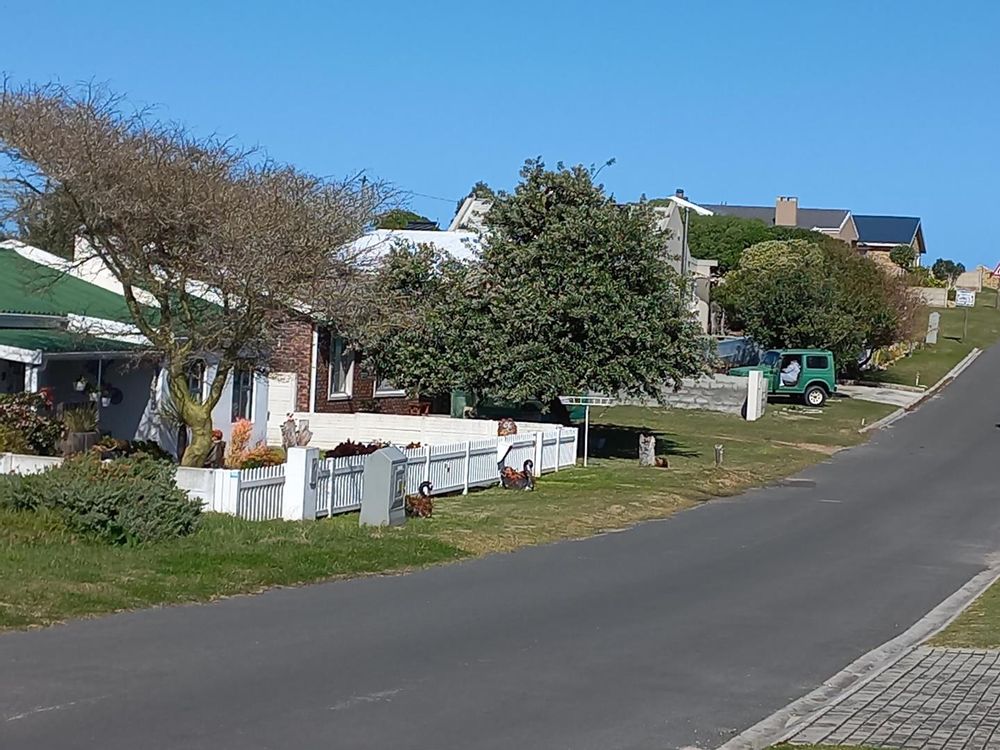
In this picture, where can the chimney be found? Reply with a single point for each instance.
(786, 211)
(679, 193)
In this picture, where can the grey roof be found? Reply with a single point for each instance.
(886, 230)
(808, 218)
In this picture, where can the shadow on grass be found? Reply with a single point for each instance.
(614, 441)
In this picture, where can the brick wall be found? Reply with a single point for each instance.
(292, 353)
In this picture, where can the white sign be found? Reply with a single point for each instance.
(965, 298)
(756, 395)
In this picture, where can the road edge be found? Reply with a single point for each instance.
(902, 411)
(786, 722)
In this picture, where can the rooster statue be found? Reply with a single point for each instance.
(512, 479)
(420, 505)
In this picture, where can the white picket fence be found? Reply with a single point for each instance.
(258, 494)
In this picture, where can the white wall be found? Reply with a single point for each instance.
(331, 429)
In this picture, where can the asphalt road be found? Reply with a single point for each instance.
(675, 633)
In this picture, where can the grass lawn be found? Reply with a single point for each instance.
(48, 575)
(977, 627)
(934, 362)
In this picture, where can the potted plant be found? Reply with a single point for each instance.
(80, 385)
(81, 429)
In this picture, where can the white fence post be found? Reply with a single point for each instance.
(6, 463)
(539, 466)
(229, 497)
(468, 466)
(298, 501)
(427, 463)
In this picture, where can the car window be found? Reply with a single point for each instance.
(817, 362)
(770, 359)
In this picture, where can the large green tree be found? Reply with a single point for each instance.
(571, 293)
(724, 238)
(795, 293)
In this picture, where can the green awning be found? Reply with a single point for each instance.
(63, 342)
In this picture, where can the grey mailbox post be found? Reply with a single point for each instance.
(383, 488)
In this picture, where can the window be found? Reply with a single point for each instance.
(384, 387)
(341, 372)
(196, 379)
(242, 393)
(817, 362)
(770, 359)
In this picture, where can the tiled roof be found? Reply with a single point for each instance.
(886, 230)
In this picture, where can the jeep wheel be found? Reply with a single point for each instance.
(815, 396)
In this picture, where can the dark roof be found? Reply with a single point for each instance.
(886, 230)
(808, 218)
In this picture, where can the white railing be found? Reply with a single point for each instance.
(259, 494)
(456, 467)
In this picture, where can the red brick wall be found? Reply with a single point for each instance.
(292, 354)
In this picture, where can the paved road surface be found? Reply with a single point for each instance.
(679, 632)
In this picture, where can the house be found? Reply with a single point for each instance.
(77, 343)
(312, 370)
(835, 222)
(878, 235)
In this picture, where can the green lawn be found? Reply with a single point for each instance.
(933, 362)
(977, 627)
(47, 574)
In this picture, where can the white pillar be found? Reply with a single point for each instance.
(31, 378)
(298, 502)
(539, 437)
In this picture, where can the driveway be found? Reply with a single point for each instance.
(675, 633)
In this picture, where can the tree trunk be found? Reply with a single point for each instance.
(200, 422)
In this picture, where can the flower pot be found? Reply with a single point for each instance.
(80, 385)
(105, 401)
(93, 396)
(80, 442)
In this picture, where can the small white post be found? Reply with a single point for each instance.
(427, 463)
(298, 499)
(468, 467)
(586, 433)
(539, 467)
(230, 500)
(559, 447)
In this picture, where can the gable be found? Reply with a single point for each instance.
(886, 230)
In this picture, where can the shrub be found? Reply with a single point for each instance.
(80, 419)
(27, 414)
(13, 440)
(127, 501)
(261, 455)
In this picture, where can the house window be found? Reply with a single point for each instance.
(196, 380)
(385, 387)
(341, 374)
(242, 393)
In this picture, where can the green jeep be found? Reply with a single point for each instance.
(814, 380)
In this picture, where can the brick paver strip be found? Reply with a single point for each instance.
(931, 699)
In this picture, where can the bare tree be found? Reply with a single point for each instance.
(213, 244)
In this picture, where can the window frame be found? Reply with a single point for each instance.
(824, 357)
(379, 392)
(335, 355)
(234, 402)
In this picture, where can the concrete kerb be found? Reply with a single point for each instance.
(953, 373)
(788, 721)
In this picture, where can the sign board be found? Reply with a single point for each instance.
(586, 401)
(383, 488)
(965, 298)
(933, 326)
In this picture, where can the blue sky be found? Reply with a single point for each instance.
(881, 107)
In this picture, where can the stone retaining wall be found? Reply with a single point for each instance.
(723, 393)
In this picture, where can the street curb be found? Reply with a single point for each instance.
(902, 411)
(788, 721)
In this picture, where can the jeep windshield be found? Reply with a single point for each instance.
(770, 358)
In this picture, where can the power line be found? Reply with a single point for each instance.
(435, 197)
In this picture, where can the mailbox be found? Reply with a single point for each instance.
(383, 488)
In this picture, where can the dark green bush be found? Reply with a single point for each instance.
(27, 415)
(127, 501)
